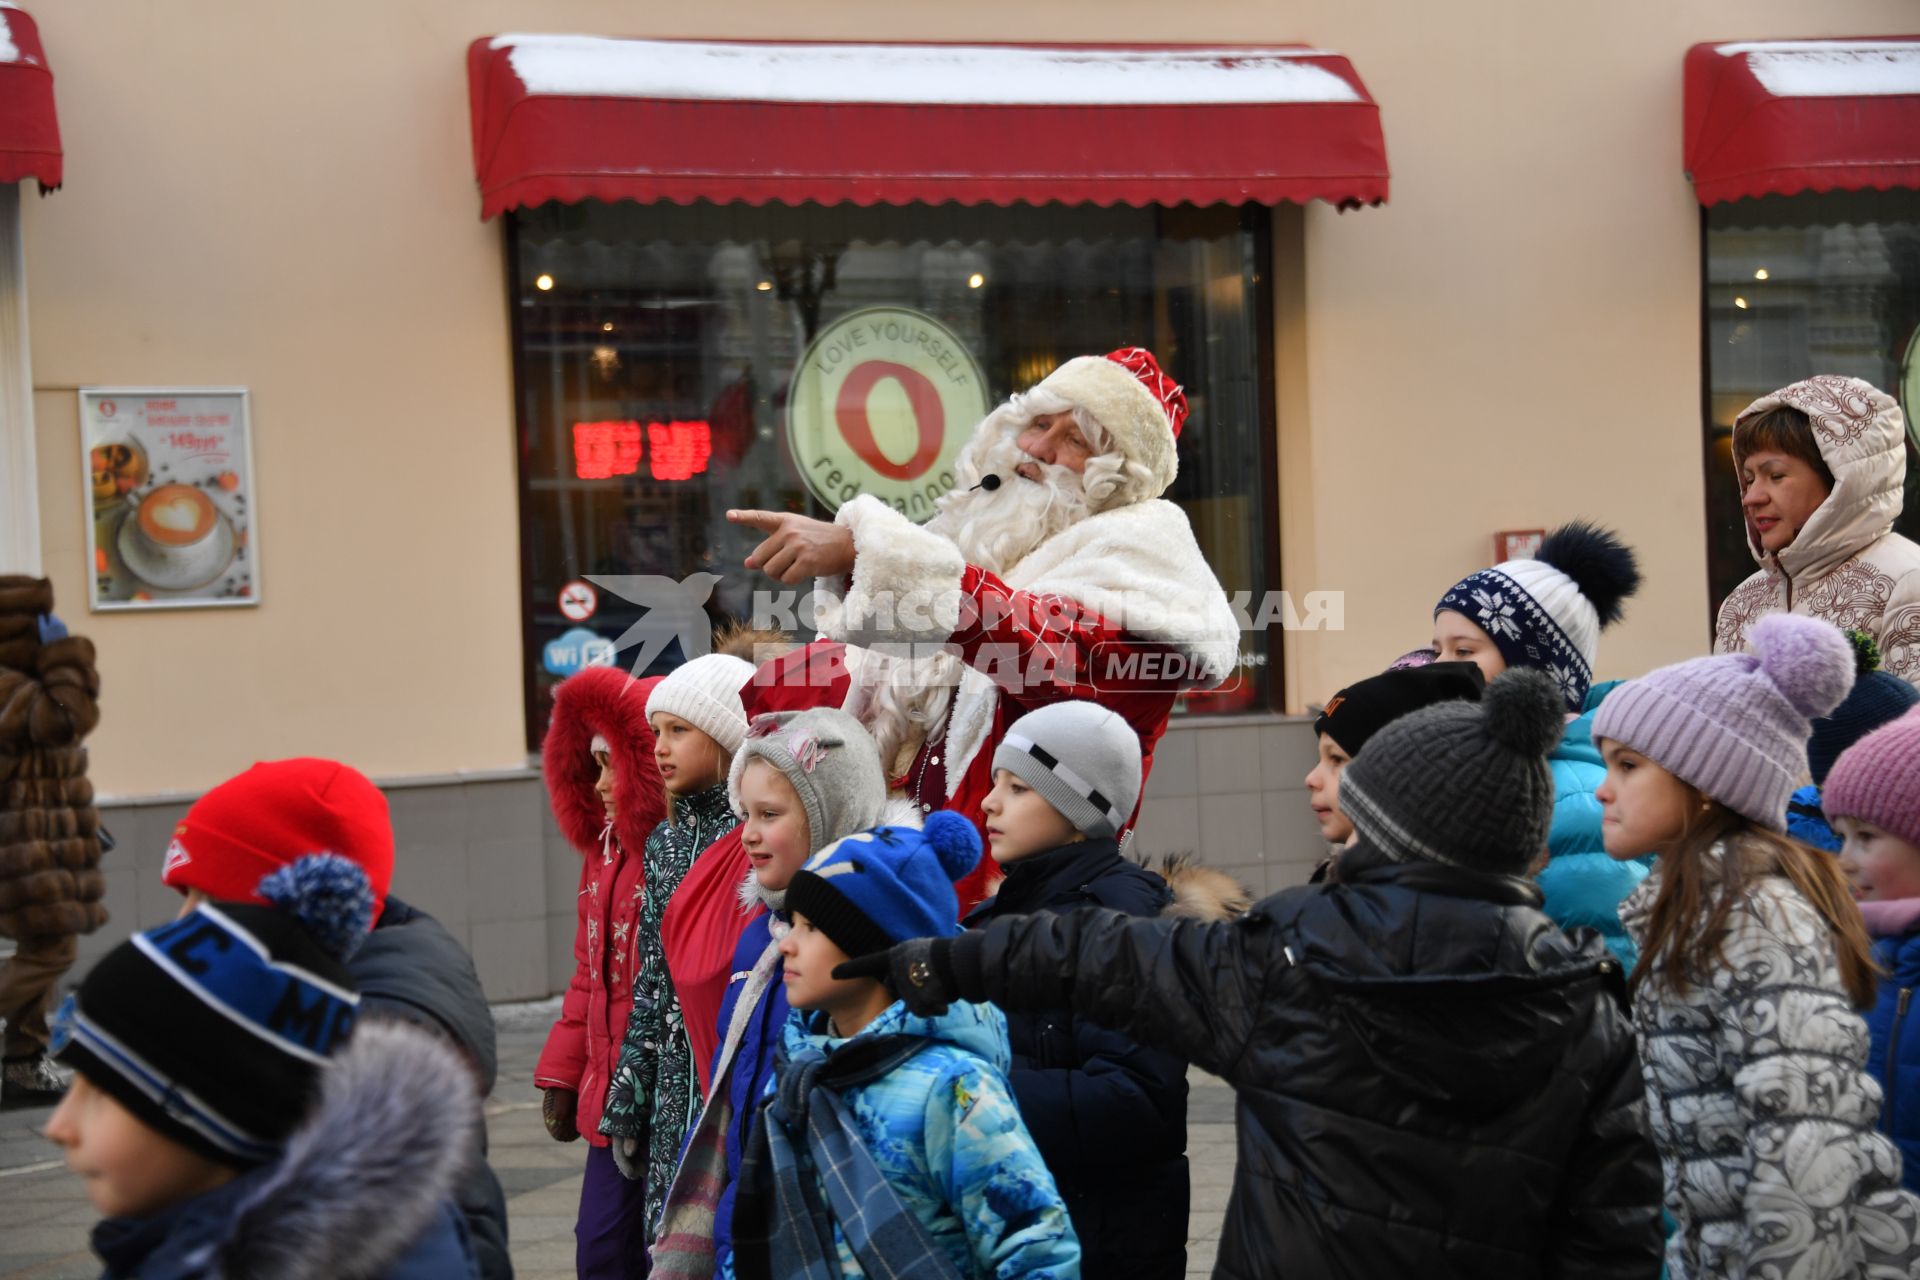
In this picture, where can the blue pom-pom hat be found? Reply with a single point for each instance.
(888, 885)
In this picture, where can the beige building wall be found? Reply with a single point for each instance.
(282, 197)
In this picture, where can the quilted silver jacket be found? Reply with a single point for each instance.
(1762, 1109)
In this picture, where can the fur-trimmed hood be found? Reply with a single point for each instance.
(364, 1183)
(607, 702)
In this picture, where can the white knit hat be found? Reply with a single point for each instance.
(706, 694)
(1138, 405)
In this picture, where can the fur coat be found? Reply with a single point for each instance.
(1120, 609)
(50, 881)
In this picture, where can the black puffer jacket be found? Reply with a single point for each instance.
(1432, 1079)
(1109, 1117)
(412, 970)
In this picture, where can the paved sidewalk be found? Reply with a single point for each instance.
(45, 1216)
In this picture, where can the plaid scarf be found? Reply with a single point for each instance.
(780, 1211)
(684, 1245)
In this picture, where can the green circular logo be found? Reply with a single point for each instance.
(881, 403)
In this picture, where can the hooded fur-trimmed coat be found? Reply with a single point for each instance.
(50, 880)
(363, 1188)
(1120, 609)
(1846, 566)
(584, 1044)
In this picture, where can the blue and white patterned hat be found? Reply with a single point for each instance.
(1548, 612)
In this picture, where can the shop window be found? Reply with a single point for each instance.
(656, 347)
(1799, 285)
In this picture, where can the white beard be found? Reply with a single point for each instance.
(998, 529)
(905, 701)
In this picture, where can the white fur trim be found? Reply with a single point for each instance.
(1138, 567)
(905, 586)
(1122, 404)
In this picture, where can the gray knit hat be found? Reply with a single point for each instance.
(1462, 783)
(1083, 759)
(831, 763)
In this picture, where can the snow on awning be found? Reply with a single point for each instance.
(572, 118)
(1776, 117)
(29, 131)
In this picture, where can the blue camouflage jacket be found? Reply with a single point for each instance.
(945, 1132)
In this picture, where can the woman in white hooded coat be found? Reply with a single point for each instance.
(1821, 466)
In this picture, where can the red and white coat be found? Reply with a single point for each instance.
(584, 1044)
(1121, 609)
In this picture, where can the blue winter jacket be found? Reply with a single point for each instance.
(1894, 1055)
(945, 1132)
(1807, 820)
(1583, 884)
(751, 1076)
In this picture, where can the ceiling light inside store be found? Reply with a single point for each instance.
(1740, 303)
(1761, 274)
(975, 280)
(765, 286)
(543, 282)
(607, 327)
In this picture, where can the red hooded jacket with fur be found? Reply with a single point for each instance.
(584, 1044)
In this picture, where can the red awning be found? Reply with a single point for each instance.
(1776, 117)
(573, 118)
(29, 133)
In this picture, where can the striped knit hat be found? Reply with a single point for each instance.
(212, 1030)
(1735, 726)
(1082, 758)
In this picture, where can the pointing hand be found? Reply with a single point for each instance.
(797, 547)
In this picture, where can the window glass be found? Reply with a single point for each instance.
(656, 345)
(1799, 285)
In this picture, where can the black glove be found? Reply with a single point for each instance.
(557, 1109)
(920, 972)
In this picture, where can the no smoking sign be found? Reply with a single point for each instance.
(578, 600)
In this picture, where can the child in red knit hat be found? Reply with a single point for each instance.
(408, 968)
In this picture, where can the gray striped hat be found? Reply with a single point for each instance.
(1082, 758)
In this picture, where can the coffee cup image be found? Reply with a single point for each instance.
(176, 539)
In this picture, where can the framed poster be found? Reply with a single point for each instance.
(170, 497)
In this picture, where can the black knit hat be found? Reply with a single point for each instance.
(1361, 710)
(212, 1029)
(1878, 698)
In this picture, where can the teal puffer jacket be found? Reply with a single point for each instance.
(1584, 886)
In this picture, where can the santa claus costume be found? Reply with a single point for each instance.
(1039, 585)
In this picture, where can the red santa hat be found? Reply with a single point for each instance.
(1138, 405)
